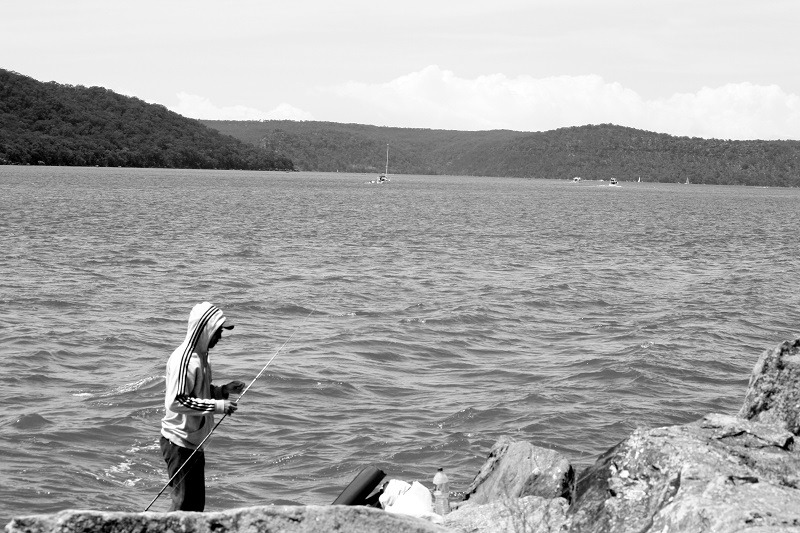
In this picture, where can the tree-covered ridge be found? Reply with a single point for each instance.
(592, 152)
(55, 124)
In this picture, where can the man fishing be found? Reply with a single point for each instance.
(191, 401)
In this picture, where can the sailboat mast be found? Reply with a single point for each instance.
(387, 160)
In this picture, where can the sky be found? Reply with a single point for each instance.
(725, 69)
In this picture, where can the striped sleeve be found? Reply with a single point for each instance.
(185, 403)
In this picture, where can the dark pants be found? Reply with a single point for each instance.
(189, 486)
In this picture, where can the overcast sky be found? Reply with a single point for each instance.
(723, 68)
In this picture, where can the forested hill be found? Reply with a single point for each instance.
(55, 124)
(592, 152)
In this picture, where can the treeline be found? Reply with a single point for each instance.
(592, 152)
(55, 124)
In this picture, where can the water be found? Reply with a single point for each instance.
(422, 320)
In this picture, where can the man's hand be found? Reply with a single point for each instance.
(234, 387)
(230, 407)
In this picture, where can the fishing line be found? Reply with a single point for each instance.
(200, 446)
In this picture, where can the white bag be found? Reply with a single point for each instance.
(414, 500)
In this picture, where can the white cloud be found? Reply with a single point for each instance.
(437, 98)
(733, 111)
(200, 107)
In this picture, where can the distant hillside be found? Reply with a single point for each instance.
(592, 152)
(54, 124)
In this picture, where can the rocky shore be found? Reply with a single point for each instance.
(722, 473)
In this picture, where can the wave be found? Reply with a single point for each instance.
(122, 389)
(30, 421)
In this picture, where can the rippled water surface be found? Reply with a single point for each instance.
(414, 322)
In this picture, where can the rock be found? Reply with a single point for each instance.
(515, 469)
(773, 394)
(531, 514)
(284, 519)
(719, 474)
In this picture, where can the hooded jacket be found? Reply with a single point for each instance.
(191, 400)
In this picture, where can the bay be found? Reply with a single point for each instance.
(412, 323)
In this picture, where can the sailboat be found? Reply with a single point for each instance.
(383, 178)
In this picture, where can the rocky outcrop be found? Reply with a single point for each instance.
(719, 474)
(773, 395)
(284, 519)
(515, 469)
(520, 488)
(722, 473)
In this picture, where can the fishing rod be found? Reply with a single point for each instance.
(225, 415)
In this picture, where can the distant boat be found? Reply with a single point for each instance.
(613, 183)
(576, 179)
(687, 181)
(383, 178)
(639, 180)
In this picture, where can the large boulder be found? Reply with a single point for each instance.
(515, 469)
(284, 519)
(520, 487)
(774, 391)
(720, 474)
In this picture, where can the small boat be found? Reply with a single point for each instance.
(576, 179)
(383, 178)
(613, 183)
(687, 181)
